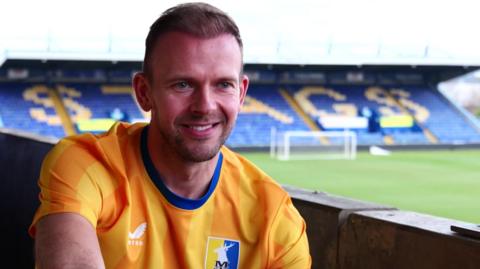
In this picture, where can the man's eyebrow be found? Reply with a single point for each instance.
(228, 78)
(178, 77)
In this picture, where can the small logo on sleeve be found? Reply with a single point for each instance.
(134, 239)
(222, 253)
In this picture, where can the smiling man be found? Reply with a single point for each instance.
(169, 194)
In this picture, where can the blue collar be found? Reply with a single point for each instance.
(178, 201)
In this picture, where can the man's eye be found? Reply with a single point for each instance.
(225, 84)
(182, 85)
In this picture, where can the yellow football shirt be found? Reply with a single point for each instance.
(245, 220)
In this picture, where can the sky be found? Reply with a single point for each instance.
(274, 31)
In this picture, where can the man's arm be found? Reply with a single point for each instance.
(289, 241)
(67, 240)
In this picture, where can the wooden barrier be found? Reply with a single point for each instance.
(348, 234)
(20, 160)
(401, 239)
(324, 215)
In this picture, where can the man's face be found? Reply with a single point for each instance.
(196, 91)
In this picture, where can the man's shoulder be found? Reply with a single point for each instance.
(236, 161)
(109, 139)
(250, 174)
(88, 147)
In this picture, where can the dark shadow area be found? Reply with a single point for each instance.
(20, 161)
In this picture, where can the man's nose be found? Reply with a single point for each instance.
(203, 100)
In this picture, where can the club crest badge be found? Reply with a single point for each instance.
(222, 253)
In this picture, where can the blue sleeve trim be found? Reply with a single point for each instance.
(174, 199)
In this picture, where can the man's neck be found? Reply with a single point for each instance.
(186, 179)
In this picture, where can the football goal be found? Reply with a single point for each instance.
(309, 145)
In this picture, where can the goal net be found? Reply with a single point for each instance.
(310, 145)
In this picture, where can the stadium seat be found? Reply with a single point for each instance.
(30, 108)
(95, 105)
(264, 108)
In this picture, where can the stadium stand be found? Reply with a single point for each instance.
(321, 102)
(264, 108)
(383, 108)
(93, 107)
(30, 108)
(447, 124)
(425, 107)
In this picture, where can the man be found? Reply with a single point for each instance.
(169, 194)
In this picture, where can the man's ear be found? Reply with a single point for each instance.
(141, 86)
(243, 88)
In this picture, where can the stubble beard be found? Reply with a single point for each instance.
(200, 151)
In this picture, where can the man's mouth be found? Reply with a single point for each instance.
(200, 128)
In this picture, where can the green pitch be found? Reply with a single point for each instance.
(441, 183)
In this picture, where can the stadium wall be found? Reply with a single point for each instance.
(343, 233)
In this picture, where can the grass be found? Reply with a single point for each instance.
(440, 183)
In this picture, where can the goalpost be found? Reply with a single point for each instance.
(310, 145)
